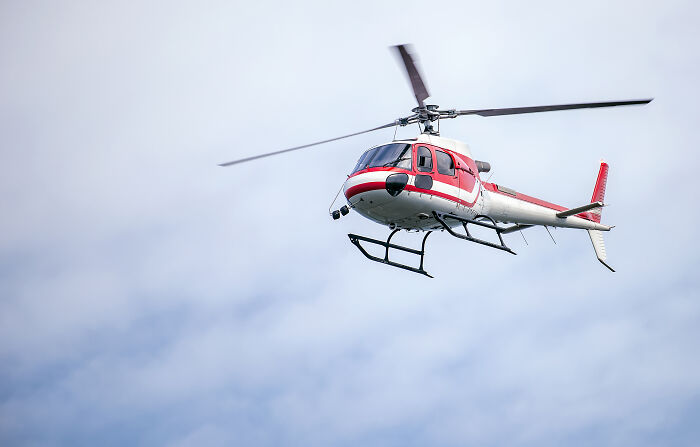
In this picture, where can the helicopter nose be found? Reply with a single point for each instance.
(368, 190)
(395, 183)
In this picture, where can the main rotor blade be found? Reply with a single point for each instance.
(518, 110)
(417, 83)
(269, 154)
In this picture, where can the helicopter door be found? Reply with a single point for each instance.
(424, 168)
(447, 175)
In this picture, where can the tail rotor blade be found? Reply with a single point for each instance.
(270, 154)
(417, 83)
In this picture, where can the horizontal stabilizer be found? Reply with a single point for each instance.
(580, 209)
(599, 247)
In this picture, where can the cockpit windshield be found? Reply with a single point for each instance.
(395, 155)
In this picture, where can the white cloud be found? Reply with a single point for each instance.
(150, 297)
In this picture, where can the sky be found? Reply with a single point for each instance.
(150, 297)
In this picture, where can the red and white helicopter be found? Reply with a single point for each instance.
(432, 183)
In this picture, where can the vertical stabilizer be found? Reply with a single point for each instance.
(599, 245)
(599, 191)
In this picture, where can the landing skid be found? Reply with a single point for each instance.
(355, 239)
(441, 218)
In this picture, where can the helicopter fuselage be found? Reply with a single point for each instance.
(435, 174)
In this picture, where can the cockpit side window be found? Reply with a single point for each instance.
(424, 160)
(445, 164)
(364, 160)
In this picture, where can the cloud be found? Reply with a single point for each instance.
(149, 297)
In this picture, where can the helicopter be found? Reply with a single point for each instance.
(430, 183)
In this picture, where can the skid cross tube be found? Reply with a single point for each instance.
(440, 217)
(355, 239)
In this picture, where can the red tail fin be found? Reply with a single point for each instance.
(599, 191)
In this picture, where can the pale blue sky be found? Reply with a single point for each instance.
(149, 297)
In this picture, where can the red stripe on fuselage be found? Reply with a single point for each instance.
(373, 186)
(534, 200)
(442, 195)
(364, 187)
(492, 187)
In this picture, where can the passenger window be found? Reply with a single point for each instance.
(424, 160)
(445, 165)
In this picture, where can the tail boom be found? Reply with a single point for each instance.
(522, 209)
(507, 205)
